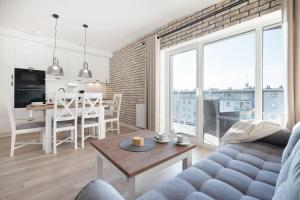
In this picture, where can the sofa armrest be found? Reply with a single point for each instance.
(98, 190)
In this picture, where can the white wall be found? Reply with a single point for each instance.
(20, 50)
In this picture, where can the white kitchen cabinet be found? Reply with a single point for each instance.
(99, 67)
(63, 57)
(6, 57)
(94, 66)
(104, 76)
(29, 54)
(72, 61)
(75, 64)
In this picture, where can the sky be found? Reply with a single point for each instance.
(230, 63)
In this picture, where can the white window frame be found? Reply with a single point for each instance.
(256, 25)
(170, 81)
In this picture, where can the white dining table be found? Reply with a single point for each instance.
(48, 110)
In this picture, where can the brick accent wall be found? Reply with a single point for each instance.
(127, 74)
(127, 68)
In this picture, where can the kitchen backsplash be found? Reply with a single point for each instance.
(53, 86)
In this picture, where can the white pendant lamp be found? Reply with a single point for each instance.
(85, 72)
(55, 68)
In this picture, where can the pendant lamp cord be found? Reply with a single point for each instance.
(55, 38)
(84, 47)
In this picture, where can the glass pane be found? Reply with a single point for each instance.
(162, 93)
(273, 75)
(183, 93)
(229, 96)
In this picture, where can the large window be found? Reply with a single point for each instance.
(273, 75)
(229, 94)
(225, 78)
(183, 92)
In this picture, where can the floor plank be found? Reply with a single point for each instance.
(32, 175)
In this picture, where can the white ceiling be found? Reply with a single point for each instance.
(112, 23)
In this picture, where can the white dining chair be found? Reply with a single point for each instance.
(65, 118)
(114, 115)
(91, 115)
(24, 128)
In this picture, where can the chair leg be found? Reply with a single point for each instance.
(43, 139)
(75, 138)
(54, 141)
(118, 126)
(72, 135)
(82, 137)
(103, 129)
(12, 144)
(98, 132)
(95, 131)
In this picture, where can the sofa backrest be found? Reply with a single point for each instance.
(294, 138)
(288, 182)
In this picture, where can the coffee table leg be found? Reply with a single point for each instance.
(131, 188)
(187, 162)
(102, 125)
(99, 167)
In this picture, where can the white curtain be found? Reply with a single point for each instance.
(291, 28)
(152, 82)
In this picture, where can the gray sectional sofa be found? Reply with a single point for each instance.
(264, 169)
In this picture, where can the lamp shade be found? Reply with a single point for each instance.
(85, 72)
(55, 68)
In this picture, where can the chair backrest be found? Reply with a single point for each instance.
(92, 103)
(65, 106)
(211, 112)
(11, 114)
(116, 107)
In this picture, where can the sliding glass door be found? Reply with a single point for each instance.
(221, 80)
(229, 94)
(183, 84)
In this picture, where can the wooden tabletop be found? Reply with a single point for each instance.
(133, 163)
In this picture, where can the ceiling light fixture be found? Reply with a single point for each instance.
(55, 68)
(85, 72)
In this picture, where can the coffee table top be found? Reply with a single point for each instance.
(133, 163)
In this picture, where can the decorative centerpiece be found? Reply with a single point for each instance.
(138, 141)
(137, 144)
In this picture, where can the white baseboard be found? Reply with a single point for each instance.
(130, 126)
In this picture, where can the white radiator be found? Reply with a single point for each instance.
(140, 116)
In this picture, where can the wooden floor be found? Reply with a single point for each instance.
(32, 175)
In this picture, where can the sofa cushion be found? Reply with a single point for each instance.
(280, 138)
(245, 171)
(98, 190)
(294, 138)
(288, 182)
(286, 167)
(198, 195)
